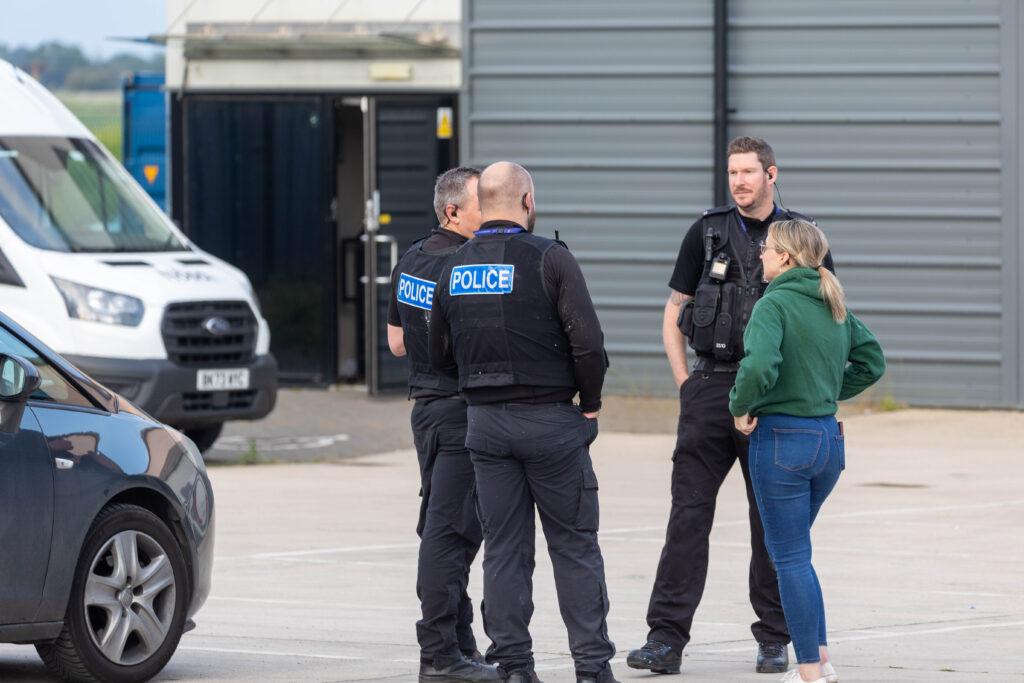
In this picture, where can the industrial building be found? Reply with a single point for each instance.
(305, 137)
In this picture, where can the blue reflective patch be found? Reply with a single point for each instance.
(486, 278)
(415, 292)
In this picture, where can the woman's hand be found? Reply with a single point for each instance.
(745, 423)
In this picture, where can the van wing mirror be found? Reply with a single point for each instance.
(18, 378)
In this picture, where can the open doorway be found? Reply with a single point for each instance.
(349, 209)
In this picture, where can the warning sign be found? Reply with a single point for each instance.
(444, 123)
(151, 171)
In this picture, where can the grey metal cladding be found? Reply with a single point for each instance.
(885, 117)
(893, 122)
(609, 105)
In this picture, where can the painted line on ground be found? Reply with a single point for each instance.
(870, 634)
(268, 653)
(609, 533)
(412, 607)
(319, 551)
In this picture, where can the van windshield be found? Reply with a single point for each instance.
(66, 194)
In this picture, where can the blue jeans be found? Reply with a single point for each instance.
(794, 463)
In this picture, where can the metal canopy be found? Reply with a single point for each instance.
(317, 41)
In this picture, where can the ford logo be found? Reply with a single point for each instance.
(217, 327)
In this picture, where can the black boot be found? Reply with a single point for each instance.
(772, 658)
(462, 671)
(658, 657)
(519, 676)
(605, 676)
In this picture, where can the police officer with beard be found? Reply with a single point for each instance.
(716, 281)
(448, 527)
(513, 314)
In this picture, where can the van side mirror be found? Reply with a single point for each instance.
(18, 378)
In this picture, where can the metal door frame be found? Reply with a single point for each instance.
(373, 241)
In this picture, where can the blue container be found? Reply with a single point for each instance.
(144, 144)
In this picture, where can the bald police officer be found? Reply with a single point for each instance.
(449, 528)
(512, 313)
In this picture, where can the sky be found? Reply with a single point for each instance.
(86, 23)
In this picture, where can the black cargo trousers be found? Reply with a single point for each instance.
(529, 455)
(449, 531)
(707, 445)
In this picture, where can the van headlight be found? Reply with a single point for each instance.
(99, 305)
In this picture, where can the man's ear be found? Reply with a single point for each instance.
(451, 211)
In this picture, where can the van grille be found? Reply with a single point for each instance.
(208, 400)
(189, 341)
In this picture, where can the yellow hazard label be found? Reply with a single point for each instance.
(444, 123)
(151, 171)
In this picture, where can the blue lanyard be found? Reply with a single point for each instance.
(495, 231)
(775, 210)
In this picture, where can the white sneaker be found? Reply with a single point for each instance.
(793, 676)
(829, 672)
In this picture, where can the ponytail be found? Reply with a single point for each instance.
(832, 293)
(806, 245)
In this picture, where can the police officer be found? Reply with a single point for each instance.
(513, 313)
(448, 527)
(716, 281)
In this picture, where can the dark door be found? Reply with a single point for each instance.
(258, 187)
(413, 143)
(26, 501)
(26, 517)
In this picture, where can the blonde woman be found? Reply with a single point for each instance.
(804, 351)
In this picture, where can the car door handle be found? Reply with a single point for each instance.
(64, 463)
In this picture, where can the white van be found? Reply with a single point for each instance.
(90, 265)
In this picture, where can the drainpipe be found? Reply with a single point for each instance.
(721, 105)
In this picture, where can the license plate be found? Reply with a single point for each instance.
(222, 380)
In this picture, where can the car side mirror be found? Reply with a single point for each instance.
(18, 378)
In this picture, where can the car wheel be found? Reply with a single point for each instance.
(204, 436)
(128, 598)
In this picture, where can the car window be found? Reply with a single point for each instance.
(53, 386)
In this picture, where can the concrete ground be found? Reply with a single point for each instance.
(920, 552)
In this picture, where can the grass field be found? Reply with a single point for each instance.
(101, 114)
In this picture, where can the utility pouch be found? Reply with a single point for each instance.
(685, 320)
(723, 324)
(705, 308)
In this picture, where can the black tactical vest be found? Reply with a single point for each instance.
(418, 274)
(505, 329)
(731, 283)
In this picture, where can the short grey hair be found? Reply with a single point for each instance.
(450, 188)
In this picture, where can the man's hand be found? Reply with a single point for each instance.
(745, 423)
(591, 416)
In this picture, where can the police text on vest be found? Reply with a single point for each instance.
(415, 292)
(485, 278)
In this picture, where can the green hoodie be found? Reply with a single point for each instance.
(798, 360)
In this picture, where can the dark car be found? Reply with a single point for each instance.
(106, 521)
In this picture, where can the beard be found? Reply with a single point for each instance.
(531, 220)
(756, 197)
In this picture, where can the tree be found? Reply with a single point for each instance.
(64, 67)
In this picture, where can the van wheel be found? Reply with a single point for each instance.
(204, 436)
(128, 599)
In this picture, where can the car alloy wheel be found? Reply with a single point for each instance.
(128, 600)
(129, 597)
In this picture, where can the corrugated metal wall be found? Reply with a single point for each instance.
(609, 105)
(886, 116)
